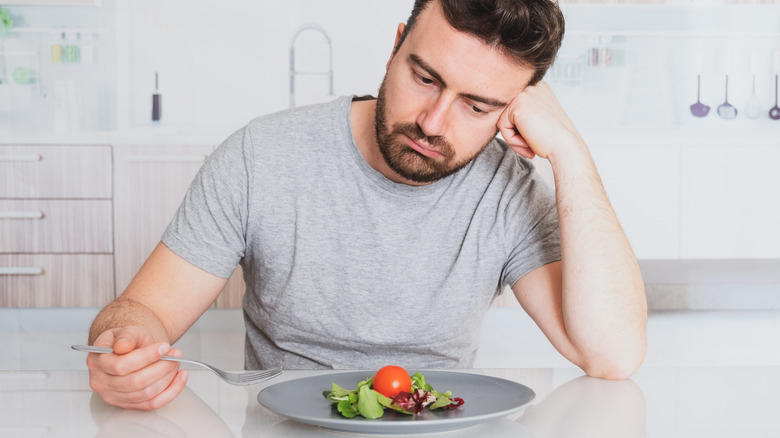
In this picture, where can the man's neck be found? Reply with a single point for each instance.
(363, 128)
(362, 118)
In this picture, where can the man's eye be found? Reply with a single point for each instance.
(477, 110)
(424, 80)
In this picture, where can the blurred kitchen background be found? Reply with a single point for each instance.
(626, 67)
(696, 188)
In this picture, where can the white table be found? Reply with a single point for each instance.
(659, 402)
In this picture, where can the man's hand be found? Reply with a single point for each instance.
(134, 377)
(534, 123)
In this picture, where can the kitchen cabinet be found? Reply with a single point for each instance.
(694, 201)
(151, 181)
(643, 186)
(56, 234)
(56, 280)
(55, 172)
(53, 2)
(56, 226)
(730, 207)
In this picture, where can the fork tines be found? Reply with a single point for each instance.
(251, 376)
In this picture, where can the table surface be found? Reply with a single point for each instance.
(656, 402)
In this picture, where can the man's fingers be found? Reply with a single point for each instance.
(134, 349)
(137, 387)
(127, 339)
(150, 397)
(516, 141)
(125, 345)
(125, 364)
(168, 395)
(509, 131)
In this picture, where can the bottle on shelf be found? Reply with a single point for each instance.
(71, 50)
(56, 49)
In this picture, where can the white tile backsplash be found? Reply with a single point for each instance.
(717, 284)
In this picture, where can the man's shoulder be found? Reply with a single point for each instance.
(498, 156)
(298, 118)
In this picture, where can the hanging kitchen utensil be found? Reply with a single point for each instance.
(699, 109)
(774, 113)
(753, 106)
(156, 100)
(727, 110)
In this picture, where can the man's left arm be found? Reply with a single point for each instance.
(591, 305)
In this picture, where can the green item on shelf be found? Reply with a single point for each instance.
(6, 23)
(23, 76)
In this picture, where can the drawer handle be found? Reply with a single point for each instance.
(165, 158)
(21, 215)
(21, 270)
(21, 157)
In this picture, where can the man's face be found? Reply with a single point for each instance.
(440, 99)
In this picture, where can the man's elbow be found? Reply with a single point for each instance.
(617, 367)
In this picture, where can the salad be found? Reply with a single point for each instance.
(390, 388)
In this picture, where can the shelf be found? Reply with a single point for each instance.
(18, 53)
(84, 30)
(52, 2)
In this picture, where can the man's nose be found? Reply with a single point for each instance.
(433, 118)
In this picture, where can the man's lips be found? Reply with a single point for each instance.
(424, 150)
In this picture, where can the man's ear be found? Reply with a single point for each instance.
(398, 33)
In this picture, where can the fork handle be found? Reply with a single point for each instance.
(104, 350)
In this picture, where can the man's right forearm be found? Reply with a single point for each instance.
(124, 312)
(165, 298)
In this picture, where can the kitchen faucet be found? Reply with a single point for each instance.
(294, 73)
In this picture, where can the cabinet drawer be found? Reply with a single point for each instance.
(55, 172)
(55, 226)
(56, 280)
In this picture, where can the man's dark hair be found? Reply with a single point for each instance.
(528, 31)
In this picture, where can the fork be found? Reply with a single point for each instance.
(234, 378)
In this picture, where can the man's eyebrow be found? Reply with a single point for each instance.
(430, 70)
(486, 100)
(419, 62)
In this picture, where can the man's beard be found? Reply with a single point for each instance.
(407, 162)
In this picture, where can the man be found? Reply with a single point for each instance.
(379, 231)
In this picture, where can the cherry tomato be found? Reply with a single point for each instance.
(391, 380)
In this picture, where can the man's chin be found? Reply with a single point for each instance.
(420, 176)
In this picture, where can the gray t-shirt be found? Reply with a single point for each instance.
(347, 269)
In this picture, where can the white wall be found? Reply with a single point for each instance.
(223, 63)
(226, 63)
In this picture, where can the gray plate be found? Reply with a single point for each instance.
(486, 398)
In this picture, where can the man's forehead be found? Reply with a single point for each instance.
(435, 41)
(420, 63)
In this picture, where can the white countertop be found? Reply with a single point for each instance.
(656, 402)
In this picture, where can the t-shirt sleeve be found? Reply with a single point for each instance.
(531, 224)
(208, 229)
